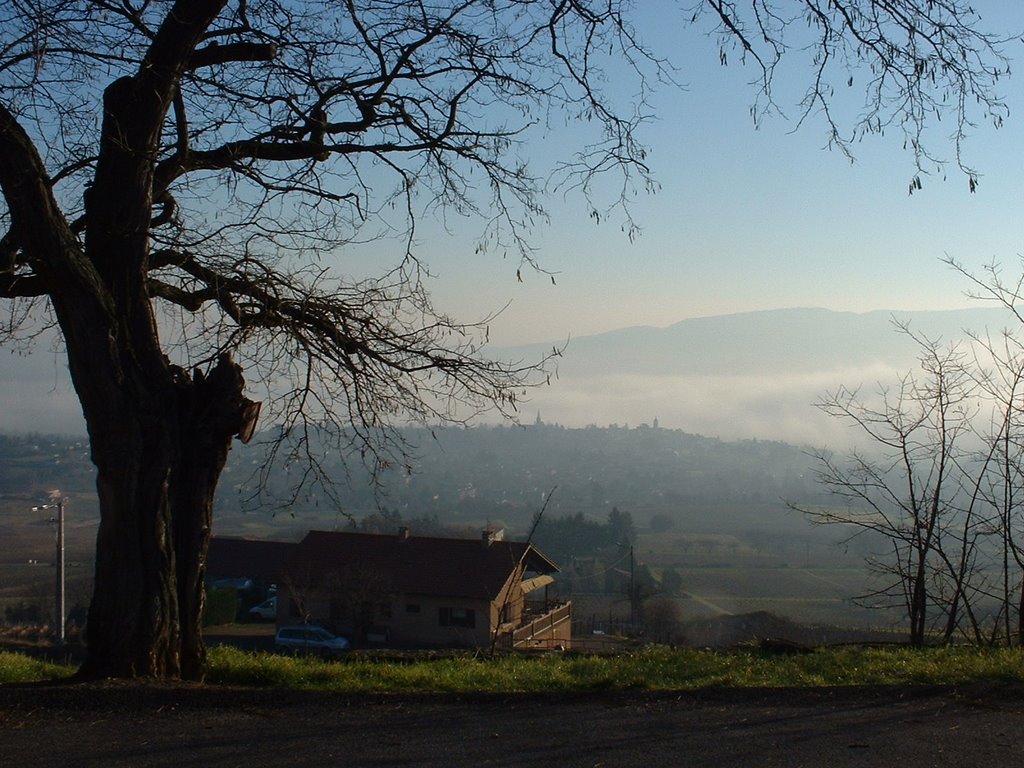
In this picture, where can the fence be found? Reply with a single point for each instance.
(545, 631)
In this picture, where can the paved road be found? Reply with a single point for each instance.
(113, 726)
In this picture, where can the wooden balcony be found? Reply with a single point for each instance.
(543, 630)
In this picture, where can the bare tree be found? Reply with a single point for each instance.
(663, 620)
(1000, 373)
(939, 481)
(904, 487)
(172, 171)
(347, 599)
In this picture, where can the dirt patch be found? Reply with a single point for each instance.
(127, 724)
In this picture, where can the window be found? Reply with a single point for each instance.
(457, 617)
(412, 608)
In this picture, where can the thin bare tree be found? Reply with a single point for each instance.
(904, 485)
(1000, 373)
(939, 481)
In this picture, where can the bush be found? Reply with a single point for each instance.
(23, 613)
(221, 606)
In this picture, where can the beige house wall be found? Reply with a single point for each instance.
(416, 620)
(423, 626)
(510, 601)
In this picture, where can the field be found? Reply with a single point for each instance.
(807, 595)
(28, 554)
(804, 577)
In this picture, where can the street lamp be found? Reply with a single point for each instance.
(59, 589)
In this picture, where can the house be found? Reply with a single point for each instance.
(409, 591)
(249, 565)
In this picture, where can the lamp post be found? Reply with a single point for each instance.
(59, 588)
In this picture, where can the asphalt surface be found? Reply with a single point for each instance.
(117, 725)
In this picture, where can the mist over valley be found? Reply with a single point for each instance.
(748, 375)
(698, 435)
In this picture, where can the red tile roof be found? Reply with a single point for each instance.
(258, 559)
(417, 565)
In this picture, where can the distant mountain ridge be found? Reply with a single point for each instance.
(754, 374)
(781, 340)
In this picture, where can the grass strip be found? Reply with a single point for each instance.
(653, 669)
(19, 668)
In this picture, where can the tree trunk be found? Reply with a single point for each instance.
(212, 410)
(1020, 615)
(133, 619)
(156, 484)
(159, 438)
(918, 605)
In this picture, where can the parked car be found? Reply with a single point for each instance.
(264, 611)
(309, 638)
(241, 584)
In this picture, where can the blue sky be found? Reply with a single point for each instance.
(745, 220)
(754, 219)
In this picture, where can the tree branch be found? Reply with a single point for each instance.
(22, 286)
(214, 54)
(38, 228)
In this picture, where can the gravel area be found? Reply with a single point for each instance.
(128, 724)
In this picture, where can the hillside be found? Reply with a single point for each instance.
(708, 500)
(495, 474)
(503, 474)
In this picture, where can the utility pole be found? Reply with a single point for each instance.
(59, 587)
(59, 596)
(632, 591)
